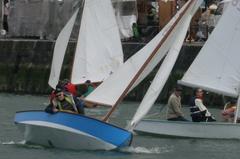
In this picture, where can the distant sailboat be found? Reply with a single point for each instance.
(98, 52)
(216, 69)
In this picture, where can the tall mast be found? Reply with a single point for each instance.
(146, 63)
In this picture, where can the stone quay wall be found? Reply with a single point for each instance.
(25, 66)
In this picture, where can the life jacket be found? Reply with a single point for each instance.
(194, 110)
(67, 104)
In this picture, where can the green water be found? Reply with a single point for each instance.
(143, 147)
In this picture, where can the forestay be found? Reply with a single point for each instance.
(136, 68)
(217, 66)
(59, 51)
(99, 50)
(165, 68)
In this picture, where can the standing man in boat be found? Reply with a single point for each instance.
(199, 111)
(174, 112)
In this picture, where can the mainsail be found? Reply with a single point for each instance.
(165, 68)
(217, 66)
(136, 68)
(59, 51)
(99, 50)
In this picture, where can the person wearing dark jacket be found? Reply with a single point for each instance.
(64, 101)
(199, 111)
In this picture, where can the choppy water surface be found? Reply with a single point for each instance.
(12, 145)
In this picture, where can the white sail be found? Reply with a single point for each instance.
(59, 51)
(165, 69)
(99, 50)
(217, 66)
(136, 68)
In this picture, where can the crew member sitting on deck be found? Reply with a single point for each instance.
(174, 112)
(199, 112)
(229, 111)
(69, 87)
(66, 86)
(64, 101)
(89, 88)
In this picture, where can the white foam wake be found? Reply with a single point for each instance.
(144, 150)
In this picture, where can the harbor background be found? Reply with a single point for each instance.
(25, 62)
(25, 66)
(26, 49)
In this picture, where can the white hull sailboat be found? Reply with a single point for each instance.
(208, 130)
(215, 69)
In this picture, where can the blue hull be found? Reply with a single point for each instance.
(66, 125)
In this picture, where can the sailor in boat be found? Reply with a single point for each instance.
(89, 88)
(65, 101)
(174, 112)
(65, 85)
(228, 112)
(199, 111)
(69, 87)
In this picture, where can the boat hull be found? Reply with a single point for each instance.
(209, 130)
(70, 131)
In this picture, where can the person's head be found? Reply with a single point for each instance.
(65, 81)
(87, 82)
(62, 83)
(6, 1)
(59, 93)
(60, 96)
(178, 90)
(199, 92)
